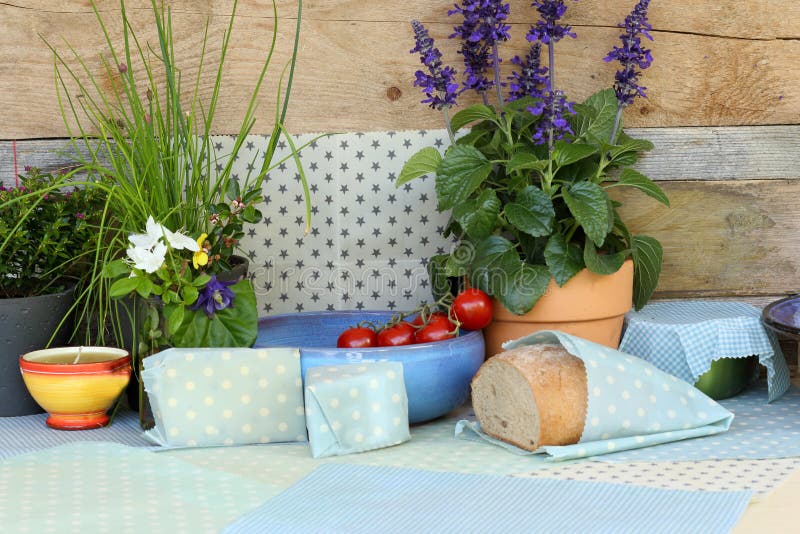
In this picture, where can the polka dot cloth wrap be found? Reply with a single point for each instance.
(631, 403)
(355, 407)
(217, 397)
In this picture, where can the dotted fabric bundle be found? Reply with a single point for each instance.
(213, 397)
(356, 407)
(631, 403)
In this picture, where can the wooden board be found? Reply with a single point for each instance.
(752, 19)
(355, 72)
(725, 153)
(723, 238)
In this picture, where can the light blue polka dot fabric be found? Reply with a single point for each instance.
(355, 407)
(683, 338)
(231, 396)
(631, 403)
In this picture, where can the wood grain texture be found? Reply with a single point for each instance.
(355, 72)
(753, 19)
(724, 153)
(723, 238)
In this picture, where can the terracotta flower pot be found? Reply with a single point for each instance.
(590, 306)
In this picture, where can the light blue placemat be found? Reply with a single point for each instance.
(29, 433)
(683, 338)
(87, 488)
(355, 499)
(759, 430)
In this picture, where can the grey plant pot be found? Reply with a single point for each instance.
(26, 324)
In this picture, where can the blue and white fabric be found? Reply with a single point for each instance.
(355, 407)
(29, 433)
(683, 338)
(758, 431)
(631, 404)
(225, 396)
(366, 499)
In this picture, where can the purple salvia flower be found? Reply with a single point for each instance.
(532, 79)
(483, 27)
(215, 296)
(632, 56)
(547, 28)
(552, 109)
(437, 84)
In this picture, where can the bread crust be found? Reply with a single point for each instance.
(557, 380)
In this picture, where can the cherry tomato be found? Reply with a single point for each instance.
(438, 328)
(472, 308)
(357, 338)
(400, 334)
(418, 319)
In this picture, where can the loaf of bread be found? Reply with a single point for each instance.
(532, 396)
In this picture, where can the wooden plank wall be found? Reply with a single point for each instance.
(723, 106)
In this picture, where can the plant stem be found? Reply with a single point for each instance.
(551, 58)
(617, 121)
(446, 112)
(496, 64)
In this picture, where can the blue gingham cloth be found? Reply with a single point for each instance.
(683, 338)
(354, 499)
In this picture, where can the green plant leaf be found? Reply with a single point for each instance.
(115, 269)
(638, 180)
(626, 144)
(201, 280)
(566, 153)
(189, 294)
(477, 216)
(564, 260)
(600, 126)
(426, 161)
(124, 286)
(525, 161)
(174, 317)
(461, 172)
(236, 326)
(145, 287)
(523, 287)
(495, 259)
(532, 213)
(588, 203)
(478, 112)
(647, 258)
(602, 263)
(232, 192)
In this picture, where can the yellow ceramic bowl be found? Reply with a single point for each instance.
(76, 390)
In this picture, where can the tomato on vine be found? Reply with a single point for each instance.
(472, 308)
(438, 328)
(358, 337)
(396, 335)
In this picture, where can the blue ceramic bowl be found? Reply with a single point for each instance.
(437, 375)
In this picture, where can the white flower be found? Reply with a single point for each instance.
(154, 233)
(146, 259)
(148, 240)
(180, 241)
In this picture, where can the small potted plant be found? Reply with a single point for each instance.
(176, 207)
(48, 229)
(527, 186)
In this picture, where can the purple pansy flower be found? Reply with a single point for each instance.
(215, 296)
(532, 79)
(438, 83)
(483, 27)
(632, 56)
(547, 28)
